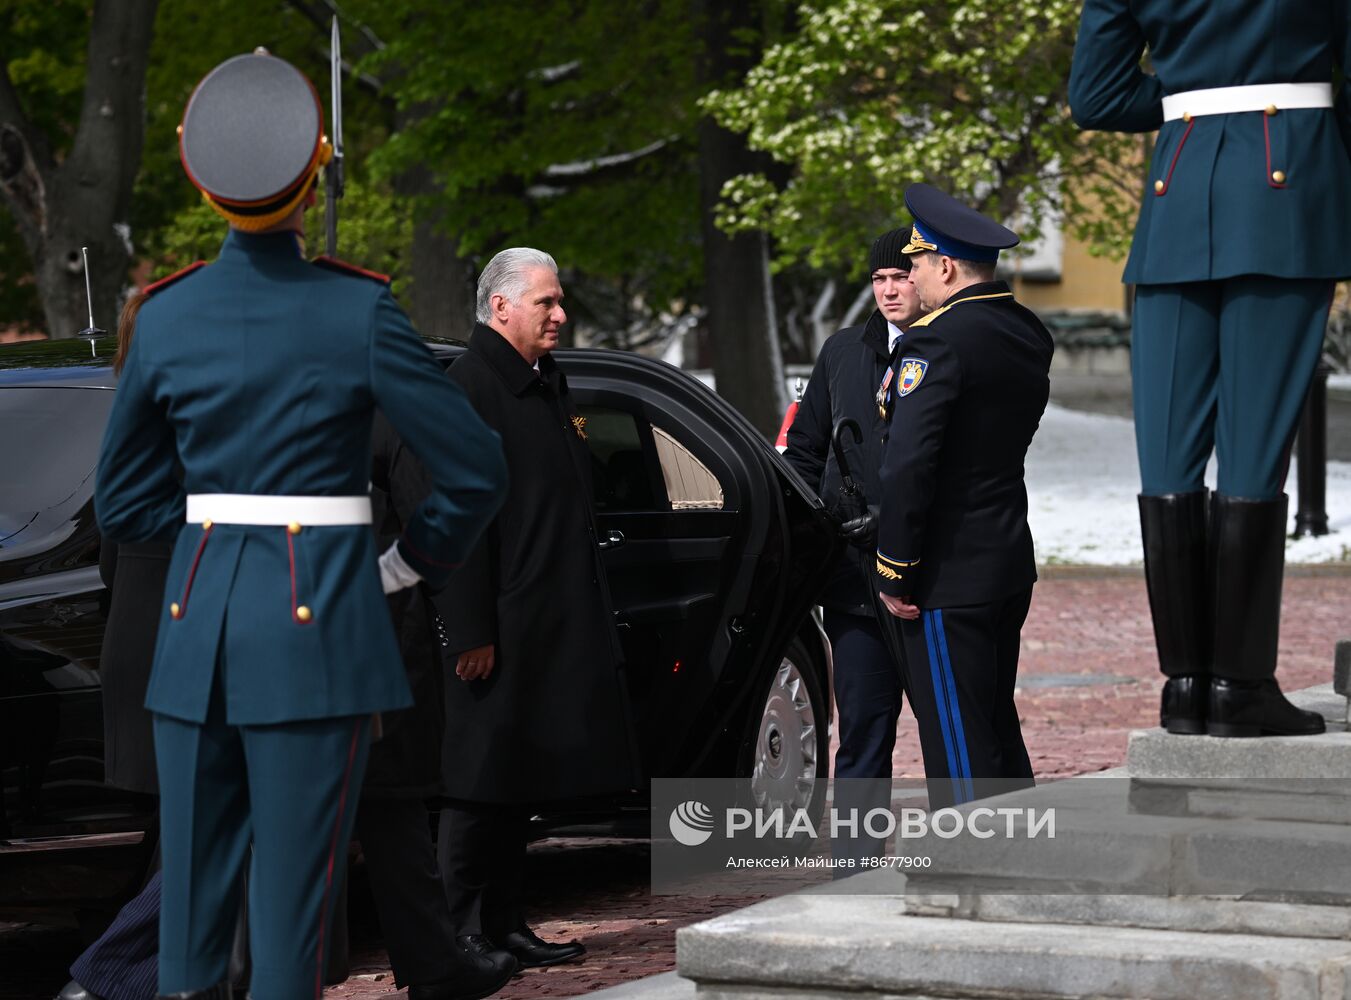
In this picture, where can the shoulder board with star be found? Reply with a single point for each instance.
(343, 267)
(158, 286)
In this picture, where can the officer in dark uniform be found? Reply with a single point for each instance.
(954, 553)
(258, 376)
(1228, 321)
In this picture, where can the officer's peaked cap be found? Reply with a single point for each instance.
(944, 225)
(252, 139)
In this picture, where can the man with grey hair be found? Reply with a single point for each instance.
(536, 711)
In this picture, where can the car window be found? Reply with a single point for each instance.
(624, 478)
(689, 483)
(52, 440)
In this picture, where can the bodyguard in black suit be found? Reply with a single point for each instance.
(954, 553)
(850, 373)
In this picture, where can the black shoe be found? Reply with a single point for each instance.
(480, 970)
(74, 991)
(480, 946)
(1257, 708)
(1177, 577)
(534, 953)
(1183, 707)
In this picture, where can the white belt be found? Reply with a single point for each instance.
(1268, 97)
(249, 508)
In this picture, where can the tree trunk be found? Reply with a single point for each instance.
(738, 298)
(442, 294)
(85, 200)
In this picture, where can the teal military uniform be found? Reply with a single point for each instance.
(1251, 196)
(260, 374)
(1245, 225)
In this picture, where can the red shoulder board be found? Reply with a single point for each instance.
(342, 267)
(163, 283)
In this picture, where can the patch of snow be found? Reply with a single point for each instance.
(1082, 481)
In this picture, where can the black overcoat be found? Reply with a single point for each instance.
(844, 383)
(552, 721)
(406, 761)
(134, 575)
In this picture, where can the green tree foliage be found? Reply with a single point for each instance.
(873, 95)
(376, 230)
(564, 126)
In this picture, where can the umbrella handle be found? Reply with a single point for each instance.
(837, 438)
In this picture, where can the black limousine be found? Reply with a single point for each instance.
(715, 548)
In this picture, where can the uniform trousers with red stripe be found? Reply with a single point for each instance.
(962, 663)
(290, 790)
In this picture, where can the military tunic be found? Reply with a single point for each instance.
(260, 374)
(1245, 222)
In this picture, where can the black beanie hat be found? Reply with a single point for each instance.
(887, 248)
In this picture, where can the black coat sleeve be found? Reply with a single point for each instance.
(910, 462)
(809, 436)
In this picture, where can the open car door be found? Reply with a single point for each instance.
(714, 550)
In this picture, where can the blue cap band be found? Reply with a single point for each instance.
(925, 238)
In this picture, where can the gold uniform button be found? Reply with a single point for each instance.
(1158, 187)
(1186, 116)
(294, 527)
(303, 613)
(206, 525)
(175, 611)
(1278, 176)
(1270, 109)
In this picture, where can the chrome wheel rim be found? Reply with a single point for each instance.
(785, 751)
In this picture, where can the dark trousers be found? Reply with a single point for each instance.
(963, 663)
(867, 684)
(481, 848)
(396, 841)
(290, 790)
(123, 963)
(1223, 365)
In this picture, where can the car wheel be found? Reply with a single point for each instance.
(788, 760)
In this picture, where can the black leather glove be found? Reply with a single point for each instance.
(860, 532)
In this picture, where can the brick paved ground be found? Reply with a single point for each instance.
(1086, 625)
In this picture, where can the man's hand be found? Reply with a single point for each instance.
(900, 606)
(860, 532)
(475, 664)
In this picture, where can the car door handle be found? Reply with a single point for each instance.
(613, 539)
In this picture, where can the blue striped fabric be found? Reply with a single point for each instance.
(123, 963)
(949, 711)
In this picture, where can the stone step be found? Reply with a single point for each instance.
(809, 946)
(1208, 914)
(667, 986)
(1103, 845)
(1155, 755)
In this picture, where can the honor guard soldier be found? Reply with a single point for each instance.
(1229, 319)
(954, 552)
(241, 433)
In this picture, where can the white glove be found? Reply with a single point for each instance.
(395, 574)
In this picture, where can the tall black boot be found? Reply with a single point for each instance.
(1176, 575)
(1245, 700)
